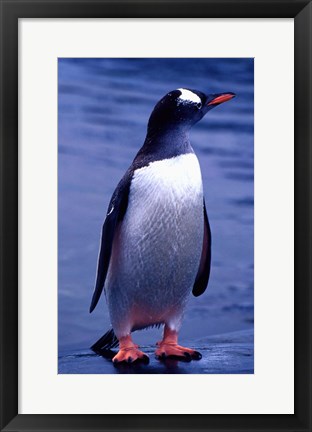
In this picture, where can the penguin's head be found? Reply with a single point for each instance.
(182, 108)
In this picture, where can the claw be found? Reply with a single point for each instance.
(145, 359)
(196, 355)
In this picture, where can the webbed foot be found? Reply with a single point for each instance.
(129, 352)
(169, 348)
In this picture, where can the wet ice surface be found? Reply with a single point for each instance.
(104, 105)
(227, 354)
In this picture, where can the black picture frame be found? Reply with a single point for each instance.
(11, 12)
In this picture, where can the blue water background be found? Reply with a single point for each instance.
(103, 109)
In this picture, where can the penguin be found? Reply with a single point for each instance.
(155, 248)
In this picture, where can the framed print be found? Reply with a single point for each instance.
(165, 146)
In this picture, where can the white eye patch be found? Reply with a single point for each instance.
(187, 96)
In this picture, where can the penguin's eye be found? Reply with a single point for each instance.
(199, 105)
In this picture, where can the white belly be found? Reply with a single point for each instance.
(158, 246)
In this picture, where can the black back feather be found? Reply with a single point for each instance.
(116, 211)
(203, 273)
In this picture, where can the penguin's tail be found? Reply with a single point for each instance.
(105, 344)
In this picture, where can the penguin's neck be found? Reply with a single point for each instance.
(165, 144)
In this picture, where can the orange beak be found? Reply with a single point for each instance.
(222, 98)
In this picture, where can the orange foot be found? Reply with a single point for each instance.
(129, 352)
(169, 348)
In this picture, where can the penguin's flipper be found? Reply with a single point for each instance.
(116, 211)
(203, 273)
